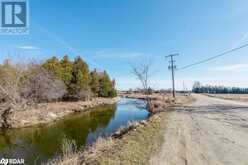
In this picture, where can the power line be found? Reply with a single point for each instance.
(213, 57)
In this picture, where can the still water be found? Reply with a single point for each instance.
(37, 144)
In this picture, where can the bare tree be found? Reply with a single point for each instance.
(143, 72)
(10, 99)
(10, 77)
(85, 94)
(42, 86)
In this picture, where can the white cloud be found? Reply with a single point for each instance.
(236, 67)
(28, 47)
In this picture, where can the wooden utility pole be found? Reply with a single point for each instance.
(171, 67)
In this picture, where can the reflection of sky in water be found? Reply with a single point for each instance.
(40, 143)
(127, 110)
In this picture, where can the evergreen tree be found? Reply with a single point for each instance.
(113, 92)
(78, 80)
(66, 75)
(53, 65)
(80, 74)
(198, 88)
(106, 86)
(94, 82)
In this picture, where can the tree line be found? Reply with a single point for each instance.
(53, 80)
(199, 88)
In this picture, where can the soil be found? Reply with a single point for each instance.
(208, 131)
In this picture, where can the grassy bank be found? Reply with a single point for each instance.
(136, 147)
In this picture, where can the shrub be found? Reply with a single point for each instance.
(41, 86)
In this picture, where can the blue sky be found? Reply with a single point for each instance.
(112, 34)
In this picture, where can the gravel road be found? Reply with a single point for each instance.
(209, 131)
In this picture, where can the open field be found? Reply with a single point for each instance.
(237, 97)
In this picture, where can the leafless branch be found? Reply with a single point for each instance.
(143, 74)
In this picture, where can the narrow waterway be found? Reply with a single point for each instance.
(37, 144)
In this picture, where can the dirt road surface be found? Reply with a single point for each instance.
(210, 131)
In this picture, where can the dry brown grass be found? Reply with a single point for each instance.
(236, 97)
(161, 102)
(93, 153)
(70, 154)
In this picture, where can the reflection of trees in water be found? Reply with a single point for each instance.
(102, 116)
(5, 144)
(44, 142)
(5, 139)
(22, 143)
(79, 128)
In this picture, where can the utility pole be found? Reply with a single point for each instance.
(171, 67)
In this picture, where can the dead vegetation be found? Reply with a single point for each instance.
(162, 101)
(236, 97)
(124, 130)
(70, 154)
(23, 86)
(10, 98)
(143, 74)
(41, 86)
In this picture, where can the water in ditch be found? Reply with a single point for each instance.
(38, 144)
